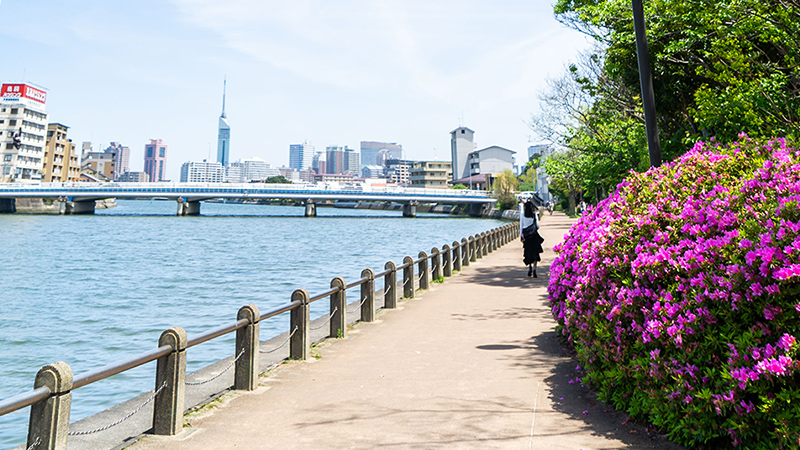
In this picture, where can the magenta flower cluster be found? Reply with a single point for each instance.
(680, 294)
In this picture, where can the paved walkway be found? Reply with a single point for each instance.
(471, 363)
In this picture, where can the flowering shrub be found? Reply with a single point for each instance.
(681, 295)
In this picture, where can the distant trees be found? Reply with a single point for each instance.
(504, 187)
(277, 179)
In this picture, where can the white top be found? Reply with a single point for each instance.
(525, 222)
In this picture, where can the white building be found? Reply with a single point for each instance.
(301, 156)
(372, 171)
(461, 145)
(490, 160)
(23, 127)
(202, 172)
(251, 169)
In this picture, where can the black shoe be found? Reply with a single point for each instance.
(530, 270)
(534, 275)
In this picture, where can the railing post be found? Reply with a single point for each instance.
(494, 238)
(49, 420)
(473, 246)
(425, 276)
(390, 286)
(338, 309)
(447, 261)
(479, 246)
(436, 263)
(368, 296)
(456, 256)
(246, 377)
(489, 241)
(408, 277)
(170, 372)
(465, 252)
(485, 243)
(298, 324)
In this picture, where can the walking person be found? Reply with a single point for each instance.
(530, 237)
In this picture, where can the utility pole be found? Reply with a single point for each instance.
(646, 84)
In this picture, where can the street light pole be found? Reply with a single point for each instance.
(646, 84)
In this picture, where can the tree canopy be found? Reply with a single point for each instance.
(720, 68)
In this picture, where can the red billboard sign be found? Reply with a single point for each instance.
(16, 92)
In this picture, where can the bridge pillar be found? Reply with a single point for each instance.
(8, 205)
(410, 209)
(79, 207)
(311, 208)
(188, 208)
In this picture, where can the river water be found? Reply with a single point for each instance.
(93, 290)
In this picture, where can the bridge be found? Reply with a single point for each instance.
(80, 198)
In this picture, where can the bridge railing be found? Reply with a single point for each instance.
(239, 187)
(50, 400)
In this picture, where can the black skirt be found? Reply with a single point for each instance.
(532, 248)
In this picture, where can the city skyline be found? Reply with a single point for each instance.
(405, 72)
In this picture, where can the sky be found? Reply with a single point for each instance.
(330, 72)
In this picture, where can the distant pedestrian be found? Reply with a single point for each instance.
(530, 237)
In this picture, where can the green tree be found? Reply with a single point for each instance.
(567, 167)
(505, 184)
(277, 179)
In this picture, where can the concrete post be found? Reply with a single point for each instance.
(188, 208)
(49, 421)
(338, 309)
(368, 296)
(447, 261)
(465, 252)
(8, 205)
(473, 254)
(311, 208)
(479, 245)
(495, 236)
(408, 277)
(489, 241)
(456, 256)
(410, 209)
(485, 243)
(436, 264)
(171, 369)
(298, 324)
(390, 286)
(425, 276)
(82, 207)
(246, 376)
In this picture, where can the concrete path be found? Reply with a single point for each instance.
(471, 363)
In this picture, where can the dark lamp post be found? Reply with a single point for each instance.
(646, 84)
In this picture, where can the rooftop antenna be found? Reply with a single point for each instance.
(224, 88)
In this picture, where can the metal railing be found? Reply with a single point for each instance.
(51, 398)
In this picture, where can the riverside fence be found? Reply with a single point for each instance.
(51, 398)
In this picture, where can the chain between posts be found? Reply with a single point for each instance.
(326, 321)
(113, 424)
(284, 343)
(359, 306)
(195, 383)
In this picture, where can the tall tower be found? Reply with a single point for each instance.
(224, 136)
(461, 145)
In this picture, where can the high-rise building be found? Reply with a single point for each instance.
(60, 159)
(375, 153)
(202, 172)
(224, 134)
(155, 160)
(319, 164)
(351, 163)
(23, 124)
(122, 156)
(334, 159)
(301, 156)
(461, 145)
